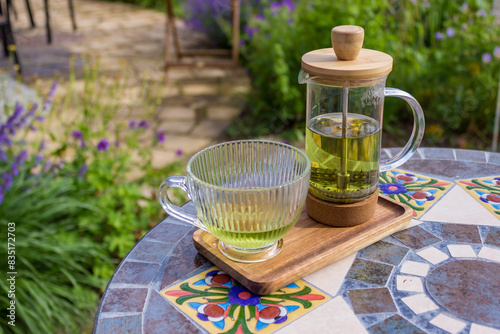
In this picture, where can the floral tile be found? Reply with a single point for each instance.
(419, 192)
(485, 190)
(220, 304)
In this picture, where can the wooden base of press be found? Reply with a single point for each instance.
(341, 215)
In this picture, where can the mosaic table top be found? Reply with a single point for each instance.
(439, 275)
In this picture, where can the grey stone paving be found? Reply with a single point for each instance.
(197, 104)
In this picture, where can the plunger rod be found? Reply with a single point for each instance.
(343, 176)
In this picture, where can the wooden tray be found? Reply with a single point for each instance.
(308, 247)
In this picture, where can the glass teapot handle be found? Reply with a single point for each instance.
(416, 135)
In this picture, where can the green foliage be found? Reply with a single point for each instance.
(444, 55)
(54, 286)
(80, 193)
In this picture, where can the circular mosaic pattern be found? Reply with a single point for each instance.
(475, 283)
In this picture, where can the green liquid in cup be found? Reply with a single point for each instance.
(245, 227)
(324, 147)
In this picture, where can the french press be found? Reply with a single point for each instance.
(345, 102)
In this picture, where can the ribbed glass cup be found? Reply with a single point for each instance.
(247, 193)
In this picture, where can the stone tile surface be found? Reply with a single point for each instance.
(447, 323)
(126, 325)
(384, 252)
(416, 237)
(490, 253)
(166, 232)
(136, 273)
(125, 300)
(470, 155)
(460, 208)
(395, 324)
(369, 272)
(433, 255)
(331, 277)
(162, 317)
(334, 317)
(468, 289)
(461, 251)
(366, 301)
(493, 237)
(415, 268)
(419, 303)
(460, 233)
(150, 251)
(409, 283)
(184, 260)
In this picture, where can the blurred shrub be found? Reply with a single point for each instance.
(214, 18)
(445, 53)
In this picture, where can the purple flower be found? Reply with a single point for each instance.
(82, 143)
(53, 89)
(3, 156)
(275, 6)
(392, 188)
(160, 136)
(250, 31)
(241, 296)
(42, 146)
(464, 7)
(450, 32)
(83, 170)
(260, 17)
(76, 134)
(40, 118)
(486, 58)
(290, 4)
(61, 164)
(439, 36)
(21, 157)
(50, 96)
(481, 12)
(47, 166)
(496, 52)
(27, 117)
(103, 145)
(143, 124)
(132, 124)
(14, 169)
(38, 159)
(179, 152)
(7, 181)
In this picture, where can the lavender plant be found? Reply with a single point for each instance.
(77, 210)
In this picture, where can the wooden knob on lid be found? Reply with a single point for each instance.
(347, 41)
(347, 63)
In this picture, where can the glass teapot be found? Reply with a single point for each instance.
(345, 104)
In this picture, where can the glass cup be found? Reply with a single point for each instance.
(248, 194)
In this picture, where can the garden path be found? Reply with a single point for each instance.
(196, 104)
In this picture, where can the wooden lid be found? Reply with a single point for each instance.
(346, 60)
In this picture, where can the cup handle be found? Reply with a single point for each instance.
(416, 136)
(177, 181)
